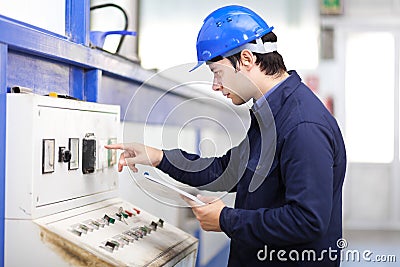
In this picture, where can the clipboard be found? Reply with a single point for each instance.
(174, 188)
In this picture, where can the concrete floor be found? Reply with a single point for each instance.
(374, 244)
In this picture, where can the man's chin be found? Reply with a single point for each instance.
(237, 102)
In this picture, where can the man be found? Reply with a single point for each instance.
(288, 172)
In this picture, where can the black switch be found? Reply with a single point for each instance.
(154, 225)
(119, 216)
(89, 153)
(64, 155)
(109, 219)
(111, 245)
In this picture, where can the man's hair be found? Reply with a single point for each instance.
(270, 63)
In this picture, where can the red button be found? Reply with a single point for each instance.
(130, 214)
(137, 211)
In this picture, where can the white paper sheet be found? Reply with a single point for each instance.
(165, 189)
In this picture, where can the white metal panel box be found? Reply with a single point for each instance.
(41, 128)
(61, 204)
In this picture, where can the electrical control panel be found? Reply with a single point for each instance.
(59, 159)
(62, 192)
(119, 234)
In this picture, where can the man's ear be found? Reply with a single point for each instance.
(247, 59)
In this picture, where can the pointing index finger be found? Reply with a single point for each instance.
(115, 146)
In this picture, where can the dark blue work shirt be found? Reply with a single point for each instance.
(292, 216)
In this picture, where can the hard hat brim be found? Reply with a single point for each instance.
(197, 65)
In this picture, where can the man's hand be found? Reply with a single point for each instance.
(135, 153)
(207, 215)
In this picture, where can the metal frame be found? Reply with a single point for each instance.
(30, 44)
(32, 41)
(77, 21)
(3, 102)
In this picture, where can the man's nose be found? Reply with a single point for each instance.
(216, 86)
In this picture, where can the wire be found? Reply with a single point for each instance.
(125, 16)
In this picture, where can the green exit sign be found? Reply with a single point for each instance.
(331, 7)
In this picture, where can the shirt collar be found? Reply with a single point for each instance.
(257, 104)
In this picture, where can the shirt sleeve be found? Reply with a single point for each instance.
(306, 162)
(214, 174)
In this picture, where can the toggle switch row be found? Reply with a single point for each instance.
(90, 225)
(127, 237)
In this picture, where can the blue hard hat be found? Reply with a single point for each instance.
(227, 28)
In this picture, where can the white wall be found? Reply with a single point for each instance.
(169, 29)
(46, 14)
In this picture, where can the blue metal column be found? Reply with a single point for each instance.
(76, 82)
(92, 84)
(77, 21)
(3, 102)
(77, 27)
